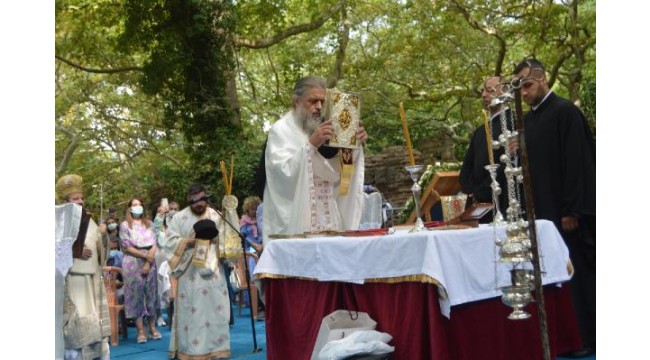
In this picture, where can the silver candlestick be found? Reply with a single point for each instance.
(414, 171)
(496, 191)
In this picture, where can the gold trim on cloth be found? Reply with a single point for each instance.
(201, 251)
(569, 267)
(408, 278)
(276, 276)
(180, 249)
(223, 354)
(389, 280)
(347, 170)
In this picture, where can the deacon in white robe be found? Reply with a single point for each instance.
(302, 185)
(201, 308)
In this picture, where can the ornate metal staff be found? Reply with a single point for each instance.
(530, 210)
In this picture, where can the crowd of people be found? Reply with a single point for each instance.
(300, 178)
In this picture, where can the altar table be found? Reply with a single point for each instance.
(436, 292)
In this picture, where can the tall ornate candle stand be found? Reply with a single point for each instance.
(516, 247)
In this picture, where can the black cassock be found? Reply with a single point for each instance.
(562, 161)
(473, 177)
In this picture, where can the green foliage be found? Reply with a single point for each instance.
(187, 59)
(588, 97)
(143, 104)
(206, 169)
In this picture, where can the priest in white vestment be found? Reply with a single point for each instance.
(303, 177)
(200, 327)
(86, 325)
(67, 220)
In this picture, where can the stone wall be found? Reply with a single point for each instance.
(386, 170)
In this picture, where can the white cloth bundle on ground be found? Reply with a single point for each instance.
(370, 342)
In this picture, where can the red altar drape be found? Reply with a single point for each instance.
(410, 312)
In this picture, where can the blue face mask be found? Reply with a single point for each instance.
(113, 253)
(137, 210)
(112, 226)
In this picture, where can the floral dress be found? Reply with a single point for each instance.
(140, 292)
(248, 227)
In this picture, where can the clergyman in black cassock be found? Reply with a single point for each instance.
(474, 179)
(562, 160)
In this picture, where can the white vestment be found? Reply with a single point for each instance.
(201, 308)
(67, 220)
(302, 187)
(86, 325)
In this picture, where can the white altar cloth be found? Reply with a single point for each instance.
(462, 261)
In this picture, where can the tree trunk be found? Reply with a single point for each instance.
(233, 99)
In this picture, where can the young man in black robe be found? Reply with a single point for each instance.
(562, 159)
(474, 179)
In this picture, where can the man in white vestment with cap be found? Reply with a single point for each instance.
(86, 325)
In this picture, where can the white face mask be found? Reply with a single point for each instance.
(112, 226)
(137, 210)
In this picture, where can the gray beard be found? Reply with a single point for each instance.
(309, 123)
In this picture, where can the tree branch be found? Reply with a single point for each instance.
(98, 71)
(433, 98)
(344, 39)
(490, 31)
(291, 31)
(67, 155)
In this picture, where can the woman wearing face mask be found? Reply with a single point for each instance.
(114, 253)
(112, 229)
(138, 240)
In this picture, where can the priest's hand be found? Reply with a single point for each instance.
(86, 253)
(102, 229)
(361, 133)
(323, 133)
(569, 223)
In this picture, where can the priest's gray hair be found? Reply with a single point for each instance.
(306, 83)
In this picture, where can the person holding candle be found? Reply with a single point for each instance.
(474, 179)
(301, 192)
